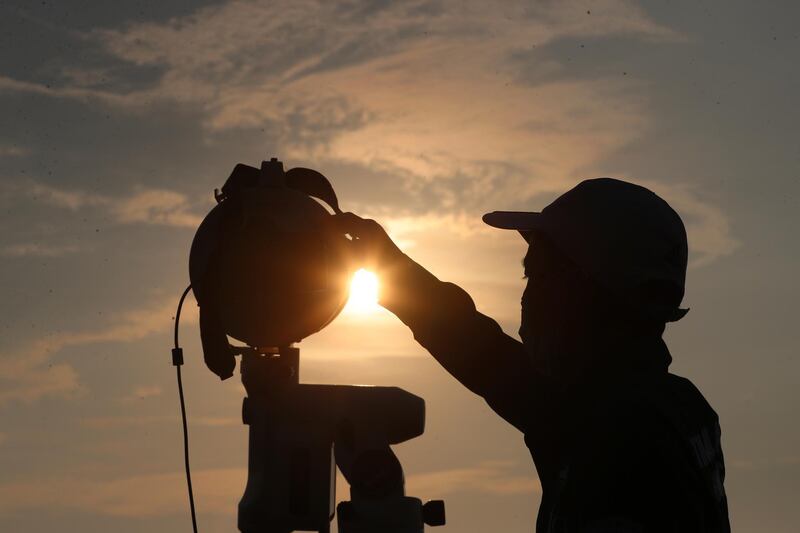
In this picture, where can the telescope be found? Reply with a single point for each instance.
(269, 268)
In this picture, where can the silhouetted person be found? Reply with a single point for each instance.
(620, 444)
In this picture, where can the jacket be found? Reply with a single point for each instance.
(632, 450)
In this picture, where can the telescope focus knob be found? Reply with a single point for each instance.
(433, 513)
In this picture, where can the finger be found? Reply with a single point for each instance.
(360, 228)
(349, 223)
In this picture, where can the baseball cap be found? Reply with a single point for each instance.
(619, 233)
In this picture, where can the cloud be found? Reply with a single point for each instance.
(29, 373)
(11, 85)
(284, 63)
(32, 249)
(492, 477)
(430, 94)
(216, 491)
(157, 207)
(72, 200)
(762, 463)
(707, 226)
(116, 422)
(141, 393)
(13, 150)
(406, 231)
(402, 86)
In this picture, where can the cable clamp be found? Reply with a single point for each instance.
(177, 356)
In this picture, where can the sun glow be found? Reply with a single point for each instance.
(363, 293)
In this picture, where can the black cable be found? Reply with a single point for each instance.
(177, 360)
(178, 315)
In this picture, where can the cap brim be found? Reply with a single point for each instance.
(525, 222)
(518, 220)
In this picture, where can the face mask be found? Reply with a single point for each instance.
(554, 323)
(551, 333)
(541, 348)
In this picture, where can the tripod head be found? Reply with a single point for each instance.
(294, 431)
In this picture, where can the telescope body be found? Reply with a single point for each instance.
(267, 265)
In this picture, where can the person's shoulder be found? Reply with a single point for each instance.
(679, 394)
(672, 416)
(658, 403)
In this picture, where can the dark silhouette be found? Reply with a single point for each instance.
(268, 267)
(619, 443)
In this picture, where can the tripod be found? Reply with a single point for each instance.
(299, 433)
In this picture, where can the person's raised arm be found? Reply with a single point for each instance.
(444, 320)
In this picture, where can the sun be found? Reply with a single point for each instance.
(363, 293)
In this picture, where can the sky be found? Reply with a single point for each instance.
(118, 119)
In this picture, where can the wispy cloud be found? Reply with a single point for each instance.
(401, 89)
(216, 491)
(116, 422)
(11, 85)
(33, 249)
(318, 69)
(402, 85)
(67, 199)
(13, 150)
(492, 477)
(707, 225)
(29, 373)
(142, 392)
(158, 207)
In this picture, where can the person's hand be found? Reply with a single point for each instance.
(372, 247)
